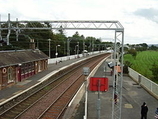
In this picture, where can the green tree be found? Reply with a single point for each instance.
(141, 47)
(125, 67)
(133, 52)
(153, 47)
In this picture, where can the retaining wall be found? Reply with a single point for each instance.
(146, 83)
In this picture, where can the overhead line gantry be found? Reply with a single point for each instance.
(82, 25)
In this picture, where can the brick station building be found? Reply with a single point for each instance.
(18, 65)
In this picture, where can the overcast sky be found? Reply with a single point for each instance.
(138, 17)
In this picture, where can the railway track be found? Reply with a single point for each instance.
(50, 101)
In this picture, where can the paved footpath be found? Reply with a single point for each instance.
(133, 97)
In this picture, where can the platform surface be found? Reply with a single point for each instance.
(133, 97)
(11, 91)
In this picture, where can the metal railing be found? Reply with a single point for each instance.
(60, 59)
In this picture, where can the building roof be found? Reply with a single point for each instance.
(16, 57)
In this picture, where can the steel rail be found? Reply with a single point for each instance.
(60, 100)
(27, 102)
(34, 94)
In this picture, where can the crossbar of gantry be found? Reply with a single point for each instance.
(69, 25)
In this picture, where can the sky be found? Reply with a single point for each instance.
(138, 17)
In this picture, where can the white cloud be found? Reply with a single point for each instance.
(139, 27)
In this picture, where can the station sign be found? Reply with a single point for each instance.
(98, 84)
(86, 71)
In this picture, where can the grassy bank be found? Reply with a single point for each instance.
(143, 62)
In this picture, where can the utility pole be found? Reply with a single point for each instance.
(9, 29)
(17, 32)
(49, 48)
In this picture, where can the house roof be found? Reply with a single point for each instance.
(8, 58)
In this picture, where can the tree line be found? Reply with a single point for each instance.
(134, 50)
(77, 42)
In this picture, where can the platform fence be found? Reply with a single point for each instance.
(61, 59)
(146, 83)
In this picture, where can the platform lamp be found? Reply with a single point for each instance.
(78, 49)
(56, 54)
(86, 71)
(75, 50)
(49, 47)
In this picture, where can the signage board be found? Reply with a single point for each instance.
(98, 84)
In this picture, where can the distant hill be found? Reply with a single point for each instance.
(153, 44)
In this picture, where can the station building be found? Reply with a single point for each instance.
(18, 65)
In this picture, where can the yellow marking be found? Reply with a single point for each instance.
(17, 92)
(128, 106)
(2, 100)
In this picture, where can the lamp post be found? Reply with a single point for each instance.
(78, 50)
(86, 71)
(75, 49)
(56, 54)
(49, 48)
(68, 47)
(83, 45)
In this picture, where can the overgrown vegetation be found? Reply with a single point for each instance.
(145, 62)
(154, 70)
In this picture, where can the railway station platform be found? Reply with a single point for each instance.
(132, 98)
(18, 88)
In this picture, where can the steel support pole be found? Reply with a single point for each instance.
(67, 47)
(49, 48)
(9, 29)
(121, 76)
(17, 30)
(0, 30)
(98, 101)
(117, 77)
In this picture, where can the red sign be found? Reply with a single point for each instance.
(98, 84)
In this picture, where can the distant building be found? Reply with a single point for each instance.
(18, 65)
